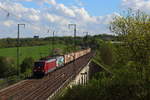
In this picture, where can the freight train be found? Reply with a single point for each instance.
(49, 64)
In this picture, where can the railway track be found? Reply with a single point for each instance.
(40, 89)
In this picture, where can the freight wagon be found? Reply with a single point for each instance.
(48, 64)
(69, 57)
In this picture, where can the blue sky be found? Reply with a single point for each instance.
(95, 8)
(39, 16)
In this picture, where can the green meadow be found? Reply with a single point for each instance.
(35, 51)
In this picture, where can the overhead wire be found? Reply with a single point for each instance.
(22, 19)
(47, 30)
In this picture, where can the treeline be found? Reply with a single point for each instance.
(127, 65)
(107, 37)
(10, 73)
(12, 42)
(9, 67)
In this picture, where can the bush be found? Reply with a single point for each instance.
(13, 79)
(28, 73)
(125, 84)
(7, 67)
(27, 64)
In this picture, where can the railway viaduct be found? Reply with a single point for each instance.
(80, 79)
(46, 88)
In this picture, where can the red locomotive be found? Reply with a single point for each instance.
(49, 64)
(44, 66)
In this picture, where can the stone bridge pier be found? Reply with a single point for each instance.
(83, 76)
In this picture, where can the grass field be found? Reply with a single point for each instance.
(35, 51)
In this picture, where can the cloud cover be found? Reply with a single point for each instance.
(143, 5)
(54, 17)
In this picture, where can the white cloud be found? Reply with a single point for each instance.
(8, 23)
(52, 2)
(64, 10)
(57, 16)
(34, 17)
(143, 5)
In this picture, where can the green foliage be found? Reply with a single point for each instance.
(7, 67)
(134, 31)
(27, 64)
(27, 74)
(13, 79)
(104, 52)
(129, 61)
(2, 82)
(70, 48)
(125, 84)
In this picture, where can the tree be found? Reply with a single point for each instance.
(134, 31)
(130, 79)
(27, 64)
(7, 67)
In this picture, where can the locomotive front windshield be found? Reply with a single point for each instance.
(39, 64)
